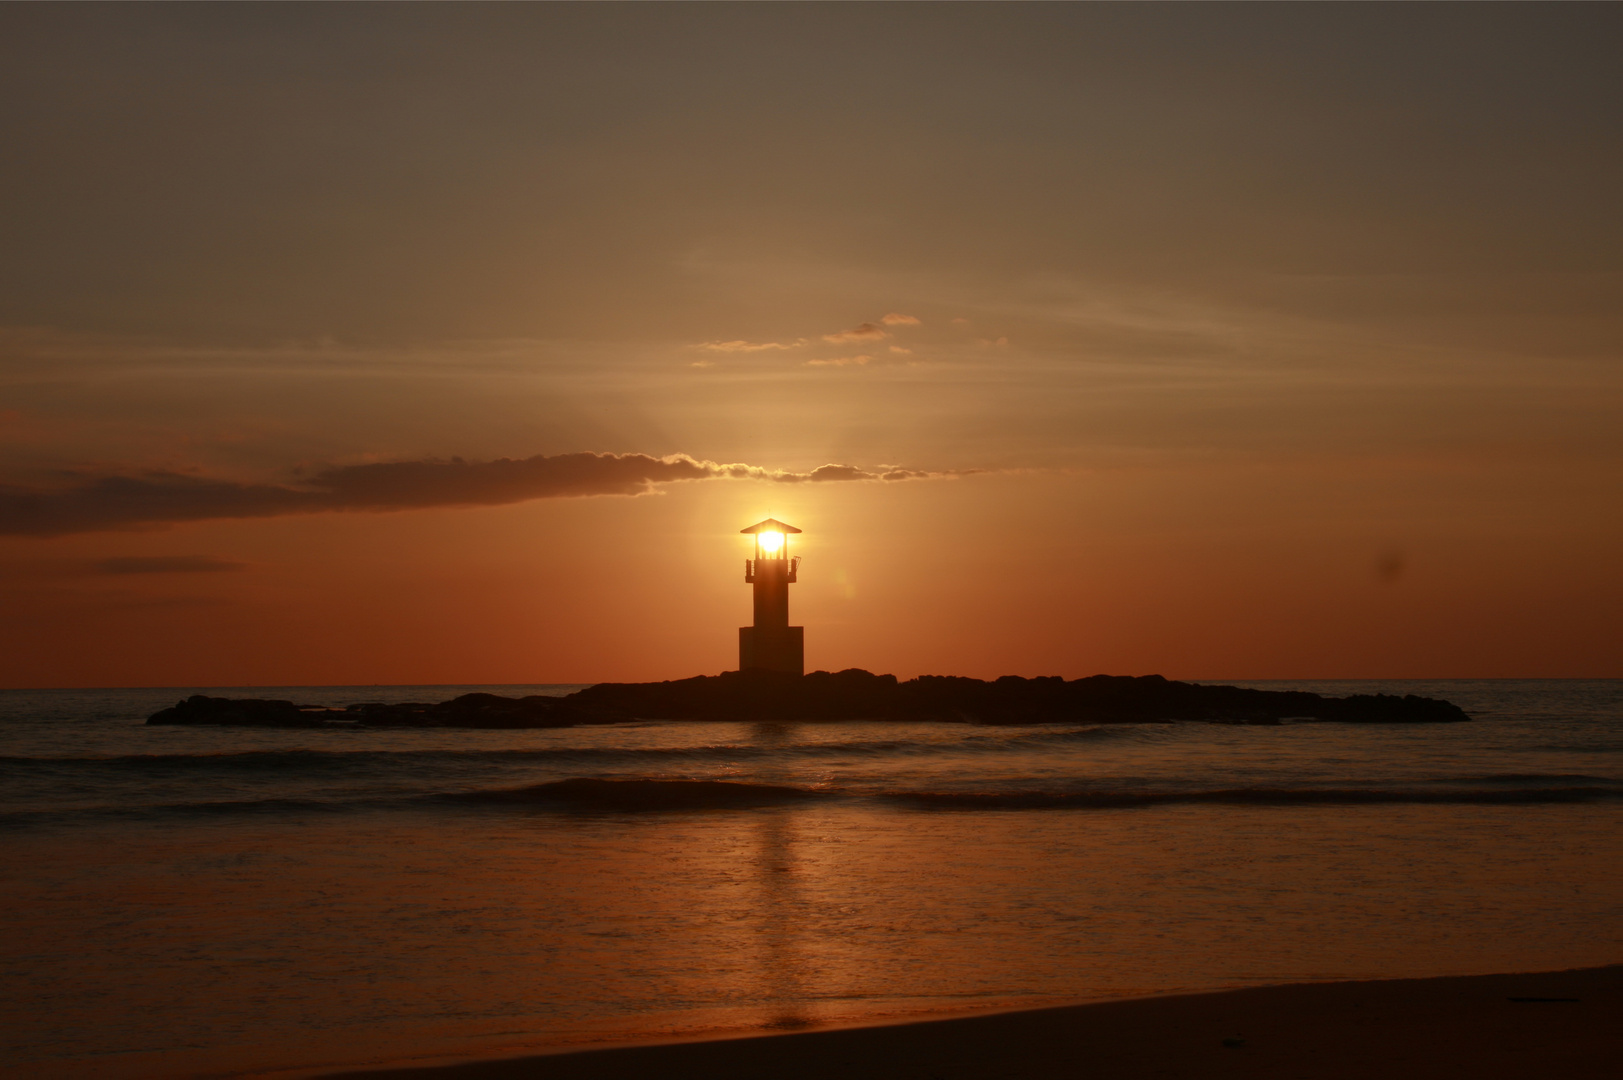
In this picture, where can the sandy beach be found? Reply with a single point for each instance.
(1556, 1024)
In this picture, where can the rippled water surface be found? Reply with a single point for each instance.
(204, 901)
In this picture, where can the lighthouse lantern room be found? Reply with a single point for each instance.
(771, 644)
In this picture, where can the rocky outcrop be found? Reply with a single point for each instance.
(482, 711)
(240, 712)
(858, 694)
(844, 695)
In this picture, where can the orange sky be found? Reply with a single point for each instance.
(1221, 342)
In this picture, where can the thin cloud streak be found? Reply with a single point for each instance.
(866, 332)
(841, 361)
(158, 498)
(748, 346)
(168, 564)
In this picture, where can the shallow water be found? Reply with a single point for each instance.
(208, 901)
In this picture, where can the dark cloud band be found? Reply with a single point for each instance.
(167, 564)
(119, 502)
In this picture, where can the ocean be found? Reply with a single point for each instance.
(235, 901)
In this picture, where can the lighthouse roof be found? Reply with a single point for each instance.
(770, 525)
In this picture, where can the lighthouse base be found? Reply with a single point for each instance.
(772, 649)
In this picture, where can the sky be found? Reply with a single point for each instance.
(453, 344)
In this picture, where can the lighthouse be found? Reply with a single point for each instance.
(771, 644)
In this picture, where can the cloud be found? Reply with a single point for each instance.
(840, 361)
(167, 564)
(866, 332)
(113, 502)
(414, 484)
(156, 498)
(168, 602)
(748, 346)
(824, 473)
(900, 356)
(827, 473)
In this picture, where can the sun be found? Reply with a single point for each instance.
(770, 541)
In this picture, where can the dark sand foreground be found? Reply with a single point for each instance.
(1477, 1027)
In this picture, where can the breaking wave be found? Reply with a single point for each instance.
(309, 759)
(1119, 800)
(657, 794)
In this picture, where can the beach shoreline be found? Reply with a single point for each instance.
(1487, 1027)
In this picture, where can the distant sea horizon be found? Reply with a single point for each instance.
(486, 686)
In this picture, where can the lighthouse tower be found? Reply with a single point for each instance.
(771, 644)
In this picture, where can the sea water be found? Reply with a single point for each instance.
(198, 901)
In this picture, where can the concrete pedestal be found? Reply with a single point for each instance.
(780, 648)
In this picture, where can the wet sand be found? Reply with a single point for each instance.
(1490, 1027)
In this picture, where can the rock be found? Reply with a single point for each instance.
(855, 694)
(239, 712)
(852, 694)
(480, 711)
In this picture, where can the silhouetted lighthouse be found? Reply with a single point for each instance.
(771, 644)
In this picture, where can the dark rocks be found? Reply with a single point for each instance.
(480, 711)
(750, 695)
(1391, 709)
(852, 694)
(855, 694)
(240, 712)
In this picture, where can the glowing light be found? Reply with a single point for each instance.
(770, 541)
